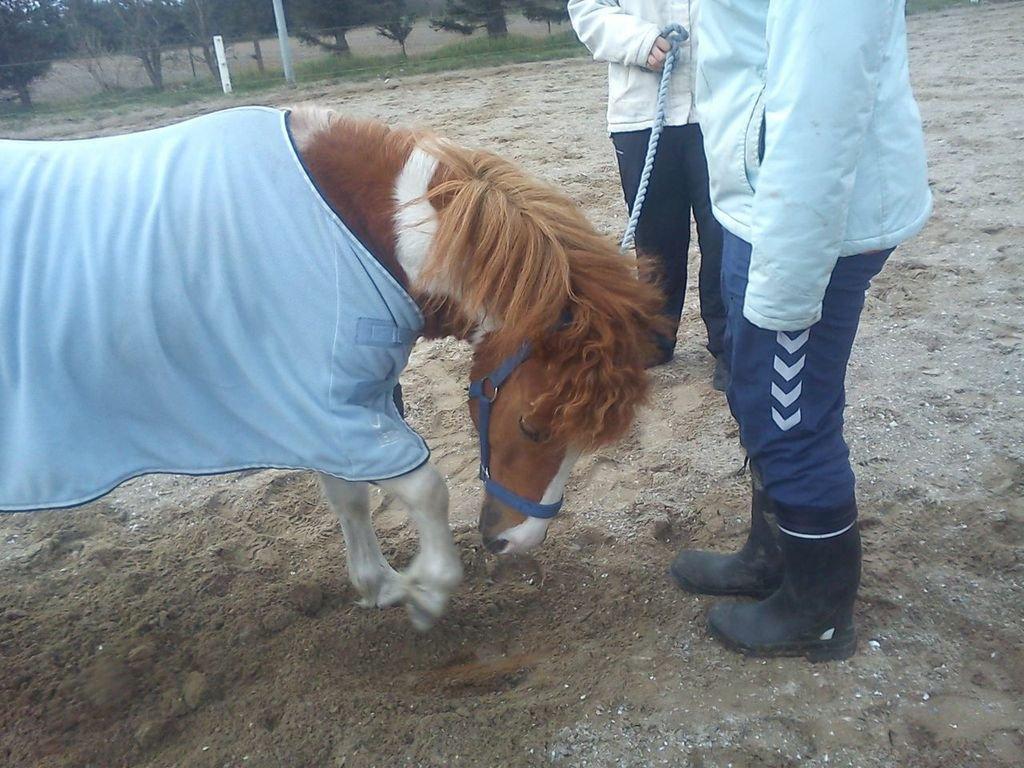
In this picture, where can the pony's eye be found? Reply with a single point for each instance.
(531, 432)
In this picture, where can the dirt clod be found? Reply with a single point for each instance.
(307, 598)
(151, 731)
(195, 690)
(278, 618)
(662, 530)
(108, 684)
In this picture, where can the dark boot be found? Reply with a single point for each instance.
(811, 614)
(755, 570)
(662, 356)
(664, 350)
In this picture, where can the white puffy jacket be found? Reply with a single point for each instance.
(622, 33)
(814, 141)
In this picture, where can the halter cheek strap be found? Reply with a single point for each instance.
(478, 391)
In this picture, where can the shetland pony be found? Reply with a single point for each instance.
(174, 304)
(502, 260)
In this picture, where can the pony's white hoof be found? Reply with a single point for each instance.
(424, 595)
(426, 605)
(393, 591)
(421, 619)
(373, 583)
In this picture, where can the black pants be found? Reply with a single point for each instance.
(678, 185)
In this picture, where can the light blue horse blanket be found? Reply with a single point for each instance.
(185, 300)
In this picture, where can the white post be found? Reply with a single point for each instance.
(222, 62)
(282, 39)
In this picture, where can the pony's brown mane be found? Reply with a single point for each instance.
(522, 253)
(335, 150)
(508, 250)
(598, 363)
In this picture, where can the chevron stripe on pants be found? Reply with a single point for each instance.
(788, 393)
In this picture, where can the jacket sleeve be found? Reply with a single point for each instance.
(611, 33)
(821, 81)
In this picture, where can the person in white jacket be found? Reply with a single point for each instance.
(627, 35)
(817, 167)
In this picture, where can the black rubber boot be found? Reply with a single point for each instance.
(663, 355)
(755, 570)
(811, 614)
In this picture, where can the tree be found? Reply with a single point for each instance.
(249, 19)
(550, 11)
(200, 20)
(467, 16)
(94, 34)
(146, 27)
(31, 34)
(397, 23)
(317, 19)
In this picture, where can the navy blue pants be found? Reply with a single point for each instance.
(787, 394)
(677, 187)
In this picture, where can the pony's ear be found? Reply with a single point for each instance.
(496, 251)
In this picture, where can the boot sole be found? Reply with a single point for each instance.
(837, 649)
(698, 589)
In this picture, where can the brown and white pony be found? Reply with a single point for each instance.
(499, 259)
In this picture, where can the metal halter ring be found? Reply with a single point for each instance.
(483, 389)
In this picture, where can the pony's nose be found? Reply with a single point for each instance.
(495, 546)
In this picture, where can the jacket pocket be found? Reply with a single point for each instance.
(753, 144)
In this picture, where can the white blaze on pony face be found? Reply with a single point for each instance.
(416, 218)
(532, 532)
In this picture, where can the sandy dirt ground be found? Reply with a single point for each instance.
(209, 622)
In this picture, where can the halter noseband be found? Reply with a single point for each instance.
(478, 392)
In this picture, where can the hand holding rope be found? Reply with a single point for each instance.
(676, 35)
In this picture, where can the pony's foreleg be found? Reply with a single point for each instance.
(367, 568)
(436, 570)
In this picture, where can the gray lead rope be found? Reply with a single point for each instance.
(675, 34)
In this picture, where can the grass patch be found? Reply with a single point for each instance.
(467, 54)
(476, 52)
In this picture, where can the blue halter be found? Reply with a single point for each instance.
(477, 391)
